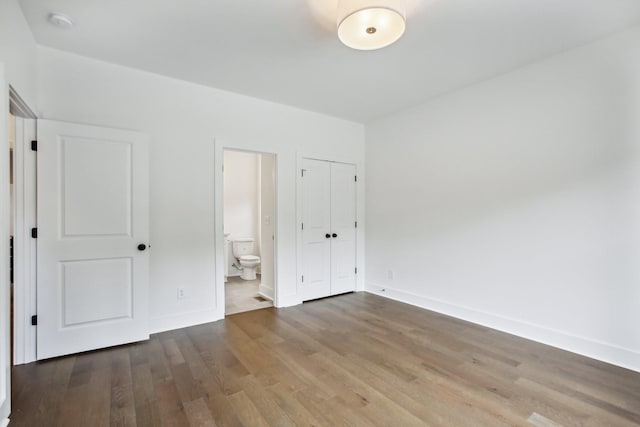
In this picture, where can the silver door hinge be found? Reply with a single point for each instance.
(356, 178)
(302, 279)
(356, 270)
(34, 145)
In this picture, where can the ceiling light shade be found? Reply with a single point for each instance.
(60, 20)
(370, 24)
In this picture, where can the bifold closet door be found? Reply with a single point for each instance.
(328, 229)
(343, 228)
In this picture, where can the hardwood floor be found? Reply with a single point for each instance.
(356, 359)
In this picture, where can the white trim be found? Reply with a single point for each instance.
(4, 423)
(18, 107)
(24, 295)
(265, 291)
(218, 227)
(24, 269)
(183, 320)
(602, 351)
(298, 300)
(5, 368)
(287, 301)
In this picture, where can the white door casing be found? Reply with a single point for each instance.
(93, 212)
(316, 225)
(24, 246)
(343, 226)
(267, 225)
(329, 229)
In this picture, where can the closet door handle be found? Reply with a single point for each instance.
(334, 235)
(328, 236)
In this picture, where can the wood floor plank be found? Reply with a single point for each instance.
(144, 396)
(221, 408)
(247, 412)
(352, 360)
(281, 395)
(39, 390)
(123, 411)
(268, 408)
(172, 410)
(332, 411)
(198, 413)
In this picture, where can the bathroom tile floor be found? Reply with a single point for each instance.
(240, 296)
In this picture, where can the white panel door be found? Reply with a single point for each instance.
(93, 213)
(343, 228)
(316, 229)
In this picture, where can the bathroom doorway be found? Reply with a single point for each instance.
(249, 230)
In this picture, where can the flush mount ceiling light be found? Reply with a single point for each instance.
(60, 20)
(370, 24)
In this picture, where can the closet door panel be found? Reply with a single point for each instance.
(316, 217)
(343, 227)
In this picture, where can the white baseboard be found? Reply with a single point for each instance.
(183, 320)
(265, 291)
(287, 301)
(595, 349)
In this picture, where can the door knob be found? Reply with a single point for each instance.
(142, 247)
(334, 235)
(327, 235)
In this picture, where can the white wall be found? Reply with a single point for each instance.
(241, 194)
(242, 199)
(5, 361)
(18, 51)
(515, 203)
(182, 120)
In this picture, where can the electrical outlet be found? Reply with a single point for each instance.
(180, 293)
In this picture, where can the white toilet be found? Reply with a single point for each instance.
(242, 249)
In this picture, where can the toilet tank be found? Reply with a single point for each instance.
(242, 246)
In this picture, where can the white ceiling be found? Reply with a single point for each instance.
(287, 51)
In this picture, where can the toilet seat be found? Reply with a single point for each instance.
(250, 258)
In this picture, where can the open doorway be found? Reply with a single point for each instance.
(249, 230)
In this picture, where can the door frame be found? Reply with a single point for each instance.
(24, 294)
(10, 102)
(5, 318)
(218, 198)
(359, 237)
